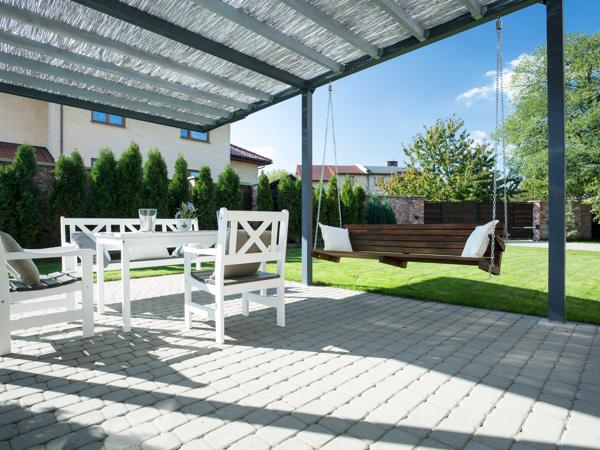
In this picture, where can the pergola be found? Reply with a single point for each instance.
(201, 64)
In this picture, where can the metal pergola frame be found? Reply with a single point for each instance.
(202, 117)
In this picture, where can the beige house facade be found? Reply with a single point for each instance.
(62, 129)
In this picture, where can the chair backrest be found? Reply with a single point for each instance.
(254, 250)
(90, 226)
(4, 286)
(428, 239)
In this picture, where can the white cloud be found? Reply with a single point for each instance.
(488, 91)
(479, 137)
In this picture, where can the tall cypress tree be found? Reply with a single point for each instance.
(360, 197)
(156, 183)
(348, 203)
(179, 188)
(20, 198)
(229, 194)
(104, 185)
(264, 198)
(68, 196)
(203, 197)
(131, 182)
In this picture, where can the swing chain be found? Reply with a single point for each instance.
(498, 142)
(327, 120)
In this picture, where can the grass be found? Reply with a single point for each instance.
(522, 287)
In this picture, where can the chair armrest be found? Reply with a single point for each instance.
(53, 252)
(200, 251)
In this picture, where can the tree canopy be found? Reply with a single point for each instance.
(104, 184)
(68, 195)
(445, 163)
(527, 126)
(156, 183)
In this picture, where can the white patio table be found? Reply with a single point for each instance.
(124, 241)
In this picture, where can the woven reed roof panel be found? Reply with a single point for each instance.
(223, 86)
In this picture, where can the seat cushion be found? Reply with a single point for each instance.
(479, 240)
(46, 281)
(82, 240)
(22, 269)
(207, 276)
(335, 239)
(243, 270)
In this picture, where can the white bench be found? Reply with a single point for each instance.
(91, 226)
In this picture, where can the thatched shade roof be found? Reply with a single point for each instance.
(199, 64)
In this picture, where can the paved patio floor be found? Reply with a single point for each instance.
(350, 371)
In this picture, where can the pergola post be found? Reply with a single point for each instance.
(307, 192)
(556, 161)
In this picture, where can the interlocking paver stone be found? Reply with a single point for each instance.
(350, 370)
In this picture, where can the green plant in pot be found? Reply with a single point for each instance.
(184, 215)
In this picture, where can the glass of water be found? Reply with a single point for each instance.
(147, 219)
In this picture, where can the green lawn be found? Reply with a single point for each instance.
(521, 288)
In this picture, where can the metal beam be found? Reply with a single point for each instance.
(475, 7)
(556, 161)
(141, 94)
(51, 97)
(403, 18)
(239, 17)
(307, 190)
(99, 98)
(162, 27)
(67, 56)
(333, 26)
(63, 29)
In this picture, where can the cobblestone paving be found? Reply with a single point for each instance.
(350, 371)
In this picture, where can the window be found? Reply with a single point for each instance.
(194, 135)
(93, 164)
(379, 180)
(193, 173)
(108, 119)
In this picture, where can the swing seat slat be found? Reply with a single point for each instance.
(398, 245)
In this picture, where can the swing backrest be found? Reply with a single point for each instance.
(426, 239)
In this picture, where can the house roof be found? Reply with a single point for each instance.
(8, 150)
(199, 65)
(384, 170)
(329, 171)
(241, 154)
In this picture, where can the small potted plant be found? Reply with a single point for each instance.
(184, 216)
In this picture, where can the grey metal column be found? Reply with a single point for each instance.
(307, 192)
(556, 161)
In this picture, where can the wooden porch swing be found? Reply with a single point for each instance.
(400, 244)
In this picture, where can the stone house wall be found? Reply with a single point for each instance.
(407, 209)
(582, 214)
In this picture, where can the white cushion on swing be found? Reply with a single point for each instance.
(335, 239)
(479, 240)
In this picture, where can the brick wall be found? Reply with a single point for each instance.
(581, 212)
(407, 209)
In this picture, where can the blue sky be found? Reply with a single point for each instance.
(379, 109)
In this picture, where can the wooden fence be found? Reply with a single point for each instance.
(520, 215)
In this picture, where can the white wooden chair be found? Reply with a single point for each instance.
(18, 298)
(227, 252)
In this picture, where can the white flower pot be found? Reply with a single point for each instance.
(183, 224)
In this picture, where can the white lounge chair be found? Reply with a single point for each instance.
(246, 240)
(17, 297)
